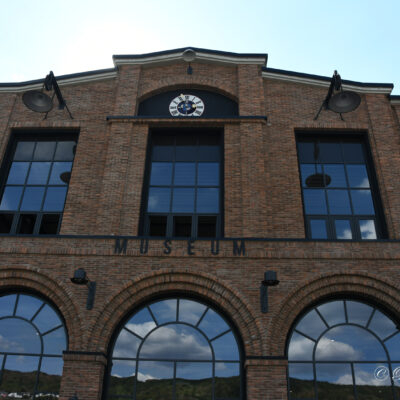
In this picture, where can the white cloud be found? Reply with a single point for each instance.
(300, 348)
(331, 350)
(9, 345)
(142, 329)
(167, 342)
(362, 378)
(367, 229)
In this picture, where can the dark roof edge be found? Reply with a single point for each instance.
(394, 97)
(182, 49)
(59, 77)
(325, 78)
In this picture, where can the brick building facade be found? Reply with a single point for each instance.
(248, 208)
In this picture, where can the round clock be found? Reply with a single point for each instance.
(186, 105)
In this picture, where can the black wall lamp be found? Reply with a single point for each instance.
(270, 279)
(189, 55)
(80, 278)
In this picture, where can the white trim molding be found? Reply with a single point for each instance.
(316, 82)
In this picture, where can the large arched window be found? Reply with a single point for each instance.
(32, 339)
(175, 349)
(344, 349)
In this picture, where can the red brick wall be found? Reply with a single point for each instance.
(262, 199)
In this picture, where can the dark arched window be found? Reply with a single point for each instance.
(32, 339)
(344, 349)
(175, 349)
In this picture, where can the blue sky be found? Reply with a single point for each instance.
(359, 38)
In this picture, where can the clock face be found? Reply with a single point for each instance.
(186, 105)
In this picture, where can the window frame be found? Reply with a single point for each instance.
(144, 224)
(32, 135)
(175, 295)
(361, 137)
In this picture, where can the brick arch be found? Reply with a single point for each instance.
(33, 279)
(342, 283)
(173, 83)
(201, 285)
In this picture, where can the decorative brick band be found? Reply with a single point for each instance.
(340, 284)
(167, 281)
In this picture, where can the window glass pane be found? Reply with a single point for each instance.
(157, 225)
(33, 197)
(122, 378)
(49, 224)
(55, 342)
(141, 323)
(47, 319)
(17, 174)
(11, 198)
(163, 153)
(6, 221)
(227, 381)
(18, 336)
(19, 375)
(44, 151)
(176, 341)
(311, 325)
(314, 201)
(55, 199)
(206, 226)
(349, 343)
(212, 324)
(58, 169)
(161, 173)
(185, 153)
(193, 380)
(333, 312)
(190, 311)
(393, 346)
(65, 151)
(367, 229)
(330, 153)
(208, 153)
(24, 151)
(396, 379)
(208, 174)
(183, 200)
(28, 306)
(26, 223)
(50, 376)
(353, 153)
(339, 202)
(155, 380)
(373, 381)
(336, 175)
(164, 311)
(7, 304)
(208, 200)
(362, 202)
(318, 229)
(358, 176)
(126, 345)
(159, 199)
(358, 313)
(306, 152)
(301, 381)
(182, 226)
(300, 348)
(306, 171)
(334, 381)
(382, 325)
(185, 174)
(39, 173)
(225, 348)
(343, 229)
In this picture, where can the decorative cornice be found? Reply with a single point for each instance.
(322, 81)
(394, 100)
(202, 55)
